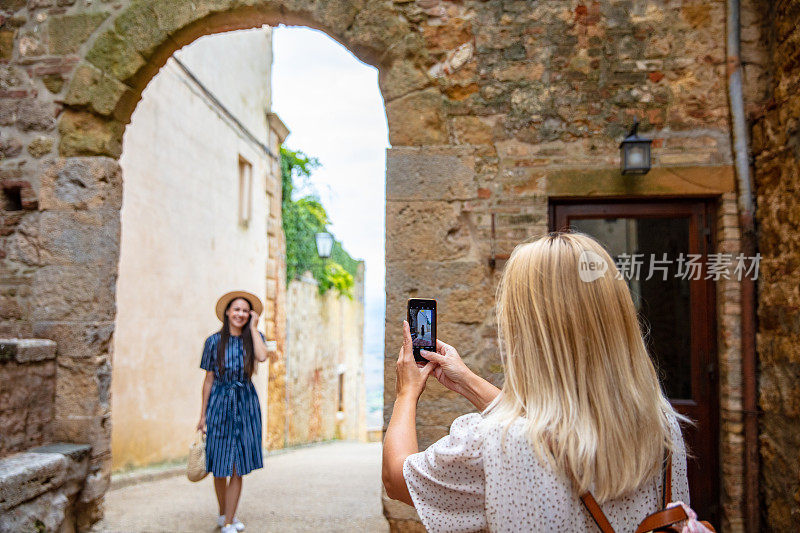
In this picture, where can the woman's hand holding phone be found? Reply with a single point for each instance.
(411, 376)
(451, 372)
(450, 368)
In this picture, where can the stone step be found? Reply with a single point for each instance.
(27, 350)
(26, 475)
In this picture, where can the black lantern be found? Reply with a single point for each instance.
(634, 152)
(324, 244)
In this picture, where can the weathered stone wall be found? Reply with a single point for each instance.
(27, 393)
(537, 97)
(776, 151)
(493, 107)
(65, 256)
(324, 336)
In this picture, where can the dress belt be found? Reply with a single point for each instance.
(232, 390)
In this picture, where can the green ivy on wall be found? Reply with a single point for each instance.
(302, 219)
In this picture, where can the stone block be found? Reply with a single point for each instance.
(95, 486)
(417, 119)
(40, 146)
(82, 387)
(171, 17)
(81, 183)
(378, 30)
(30, 114)
(137, 25)
(427, 231)
(401, 78)
(7, 43)
(13, 421)
(66, 33)
(78, 340)
(26, 475)
(95, 430)
(74, 452)
(47, 512)
(433, 410)
(473, 130)
(92, 87)
(83, 133)
(405, 526)
(53, 82)
(75, 293)
(427, 435)
(113, 54)
(80, 237)
(10, 148)
(411, 278)
(27, 350)
(428, 174)
(397, 510)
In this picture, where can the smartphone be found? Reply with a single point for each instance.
(422, 321)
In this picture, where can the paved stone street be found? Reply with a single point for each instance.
(327, 487)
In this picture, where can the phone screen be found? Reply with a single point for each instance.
(422, 321)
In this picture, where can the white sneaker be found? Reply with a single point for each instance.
(229, 529)
(236, 523)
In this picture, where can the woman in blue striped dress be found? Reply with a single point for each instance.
(231, 415)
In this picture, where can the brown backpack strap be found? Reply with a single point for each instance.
(597, 514)
(662, 519)
(659, 519)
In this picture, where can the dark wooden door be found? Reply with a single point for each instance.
(677, 303)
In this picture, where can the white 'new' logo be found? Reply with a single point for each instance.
(591, 266)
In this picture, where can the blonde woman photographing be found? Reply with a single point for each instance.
(581, 410)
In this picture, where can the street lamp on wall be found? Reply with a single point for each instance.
(324, 244)
(634, 152)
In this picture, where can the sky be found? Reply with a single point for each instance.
(331, 103)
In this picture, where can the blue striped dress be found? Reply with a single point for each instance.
(233, 415)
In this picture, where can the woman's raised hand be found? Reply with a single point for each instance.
(411, 377)
(450, 369)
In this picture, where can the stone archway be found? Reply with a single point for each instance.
(100, 61)
(493, 107)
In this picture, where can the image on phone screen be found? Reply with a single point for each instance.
(422, 327)
(422, 323)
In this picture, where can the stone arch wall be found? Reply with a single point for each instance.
(493, 107)
(88, 70)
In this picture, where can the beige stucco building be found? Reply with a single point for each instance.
(198, 163)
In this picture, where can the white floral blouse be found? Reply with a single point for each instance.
(467, 482)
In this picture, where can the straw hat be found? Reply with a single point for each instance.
(225, 299)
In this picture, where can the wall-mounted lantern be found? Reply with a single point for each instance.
(324, 244)
(634, 152)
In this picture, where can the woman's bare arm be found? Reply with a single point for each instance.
(400, 442)
(207, 383)
(401, 434)
(259, 348)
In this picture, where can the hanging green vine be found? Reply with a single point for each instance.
(302, 219)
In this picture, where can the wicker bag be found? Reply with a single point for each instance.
(196, 465)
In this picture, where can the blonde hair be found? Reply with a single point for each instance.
(577, 369)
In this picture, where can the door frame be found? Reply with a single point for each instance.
(701, 212)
